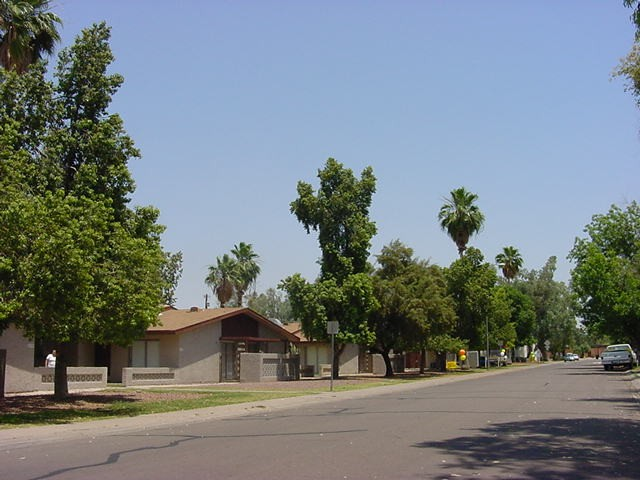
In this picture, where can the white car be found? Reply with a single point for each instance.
(571, 357)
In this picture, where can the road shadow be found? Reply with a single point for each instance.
(584, 448)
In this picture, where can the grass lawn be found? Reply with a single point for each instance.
(42, 409)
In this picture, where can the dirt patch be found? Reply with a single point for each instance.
(85, 400)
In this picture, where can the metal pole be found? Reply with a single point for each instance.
(333, 356)
(487, 357)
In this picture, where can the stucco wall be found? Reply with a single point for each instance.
(20, 375)
(119, 360)
(86, 354)
(349, 360)
(199, 355)
(318, 354)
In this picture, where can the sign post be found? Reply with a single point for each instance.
(332, 329)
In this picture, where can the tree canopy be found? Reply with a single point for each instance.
(555, 318)
(470, 282)
(76, 262)
(28, 30)
(510, 262)
(339, 212)
(221, 278)
(234, 274)
(413, 304)
(272, 304)
(606, 277)
(460, 217)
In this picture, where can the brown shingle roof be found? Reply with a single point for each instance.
(179, 321)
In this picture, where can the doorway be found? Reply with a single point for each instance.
(229, 362)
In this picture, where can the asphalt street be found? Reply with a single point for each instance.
(556, 421)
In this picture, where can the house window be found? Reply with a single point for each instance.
(145, 353)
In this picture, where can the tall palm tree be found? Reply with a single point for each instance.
(460, 217)
(28, 30)
(247, 269)
(510, 261)
(222, 277)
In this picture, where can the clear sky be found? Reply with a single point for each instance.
(233, 102)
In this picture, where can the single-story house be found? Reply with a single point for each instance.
(186, 346)
(203, 345)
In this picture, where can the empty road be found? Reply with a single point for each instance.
(556, 421)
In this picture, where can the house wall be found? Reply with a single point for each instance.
(318, 355)
(20, 375)
(199, 355)
(85, 355)
(264, 332)
(349, 360)
(119, 360)
(169, 349)
(314, 355)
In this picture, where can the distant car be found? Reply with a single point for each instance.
(571, 357)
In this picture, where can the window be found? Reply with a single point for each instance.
(145, 353)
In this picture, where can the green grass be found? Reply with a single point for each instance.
(132, 408)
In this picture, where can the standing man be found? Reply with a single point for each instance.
(50, 362)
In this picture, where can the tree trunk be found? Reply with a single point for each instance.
(338, 349)
(60, 385)
(441, 361)
(387, 363)
(423, 360)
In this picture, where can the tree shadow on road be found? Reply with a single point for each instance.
(581, 448)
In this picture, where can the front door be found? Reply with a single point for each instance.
(229, 362)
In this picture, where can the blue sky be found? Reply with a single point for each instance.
(233, 102)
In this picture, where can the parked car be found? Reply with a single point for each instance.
(619, 355)
(571, 357)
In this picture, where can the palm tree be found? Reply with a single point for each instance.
(222, 277)
(247, 269)
(27, 31)
(510, 262)
(460, 217)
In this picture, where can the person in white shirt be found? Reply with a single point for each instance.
(50, 362)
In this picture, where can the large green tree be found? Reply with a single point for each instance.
(471, 282)
(523, 315)
(339, 212)
(606, 277)
(414, 306)
(28, 30)
(76, 263)
(272, 304)
(171, 273)
(460, 217)
(553, 304)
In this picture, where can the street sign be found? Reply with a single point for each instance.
(333, 328)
